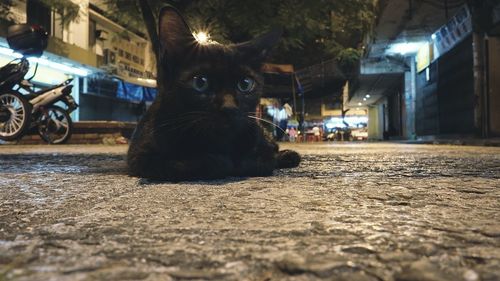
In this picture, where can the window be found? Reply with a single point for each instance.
(92, 33)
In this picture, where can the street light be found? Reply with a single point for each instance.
(203, 38)
(405, 48)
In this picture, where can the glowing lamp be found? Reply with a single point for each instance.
(202, 37)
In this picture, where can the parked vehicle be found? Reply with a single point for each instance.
(360, 134)
(21, 108)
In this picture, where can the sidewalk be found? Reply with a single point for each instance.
(455, 141)
(358, 211)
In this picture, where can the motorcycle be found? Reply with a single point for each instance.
(20, 112)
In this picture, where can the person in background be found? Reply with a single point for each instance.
(292, 134)
(280, 118)
(317, 133)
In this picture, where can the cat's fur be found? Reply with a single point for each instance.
(188, 134)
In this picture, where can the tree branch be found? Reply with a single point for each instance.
(151, 27)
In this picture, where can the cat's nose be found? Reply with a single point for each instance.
(228, 102)
(228, 105)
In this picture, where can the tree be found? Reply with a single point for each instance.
(67, 9)
(315, 30)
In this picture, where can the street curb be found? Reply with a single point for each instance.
(470, 142)
(90, 132)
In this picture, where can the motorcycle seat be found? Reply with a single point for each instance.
(7, 70)
(41, 92)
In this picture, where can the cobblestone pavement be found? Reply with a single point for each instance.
(349, 212)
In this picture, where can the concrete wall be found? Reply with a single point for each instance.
(376, 122)
(18, 11)
(409, 101)
(394, 111)
(494, 86)
(77, 33)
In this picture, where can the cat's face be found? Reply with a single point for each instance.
(221, 79)
(212, 78)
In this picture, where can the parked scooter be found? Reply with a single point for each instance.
(21, 112)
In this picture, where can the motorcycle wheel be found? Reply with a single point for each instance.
(55, 125)
(16, 111)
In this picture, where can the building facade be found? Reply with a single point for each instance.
(430, 71)
(111, 64)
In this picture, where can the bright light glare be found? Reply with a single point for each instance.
(43, 61)
(338, 122)
(10, 53)
(202, 37)
(149, 81)
(405, 48)
(62, 67)
(367, 96)
(330, 125)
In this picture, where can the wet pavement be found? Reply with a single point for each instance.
(349, 212)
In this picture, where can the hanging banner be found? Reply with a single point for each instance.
(453, 32)
(277, 68)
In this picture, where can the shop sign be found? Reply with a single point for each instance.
(424, 57)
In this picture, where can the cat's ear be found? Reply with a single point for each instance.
(175, 35)
(258, 48)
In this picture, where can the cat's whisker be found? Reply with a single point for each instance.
(181, 118)
(180, 124)
(172, 124)
(175, 122)
(169, 126)
(265, 121)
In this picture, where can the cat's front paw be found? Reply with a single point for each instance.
(288, 159)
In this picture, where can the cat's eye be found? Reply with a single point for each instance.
(200, 83)
(246, 85)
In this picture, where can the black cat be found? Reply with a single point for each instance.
(202, 125)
